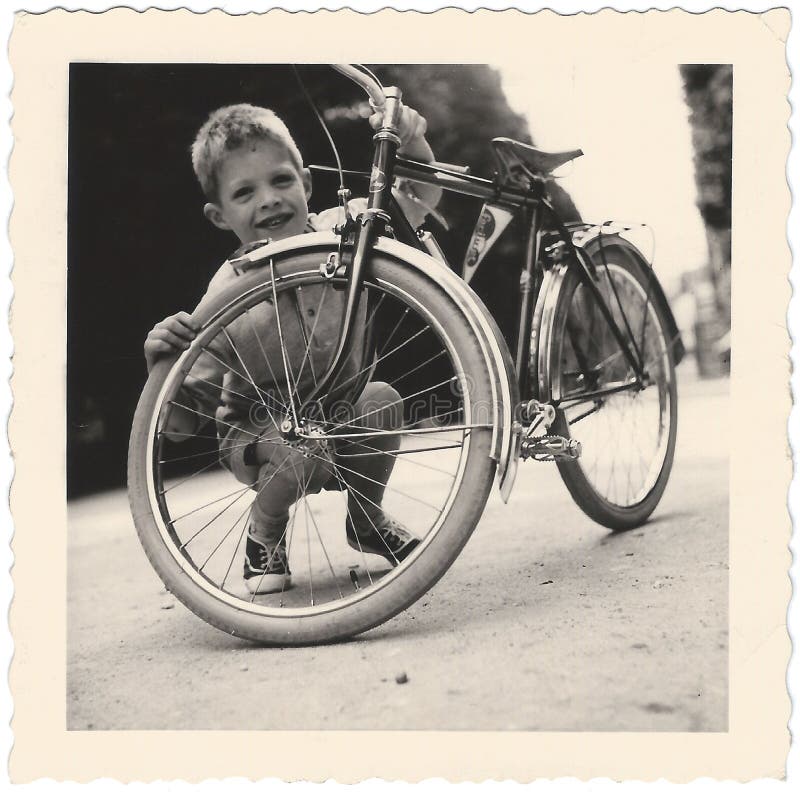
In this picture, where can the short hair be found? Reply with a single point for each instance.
(230, 127)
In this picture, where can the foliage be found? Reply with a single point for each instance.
(708, 89)
(139, 247)
(709, 94)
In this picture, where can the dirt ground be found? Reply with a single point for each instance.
(545, 622)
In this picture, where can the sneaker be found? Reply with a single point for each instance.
(266, 568)
(387, 538)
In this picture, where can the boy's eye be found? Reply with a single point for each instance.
(241, 192)
(283, 180)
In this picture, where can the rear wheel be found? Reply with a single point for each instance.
(192, 515)
(627, 431)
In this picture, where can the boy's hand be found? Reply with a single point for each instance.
(414, 145)
(412, 127)
(168, 337)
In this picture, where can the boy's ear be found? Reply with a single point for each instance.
(213, 214)
(305, 174)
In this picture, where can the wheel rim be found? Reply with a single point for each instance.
(624, 435)
(202, 512)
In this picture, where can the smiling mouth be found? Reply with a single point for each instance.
(274, 222)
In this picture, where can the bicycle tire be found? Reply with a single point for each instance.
(594, 479)
(404, 583)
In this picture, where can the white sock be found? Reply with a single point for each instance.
(266, 529)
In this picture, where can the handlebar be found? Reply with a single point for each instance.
(367, 82)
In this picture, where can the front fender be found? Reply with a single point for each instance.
(505, 393)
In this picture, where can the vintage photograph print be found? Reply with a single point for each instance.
(505, 344)
(400, 396)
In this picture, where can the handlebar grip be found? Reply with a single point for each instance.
(371, 86)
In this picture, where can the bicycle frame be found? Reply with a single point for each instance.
(531, 200)
(384, 210)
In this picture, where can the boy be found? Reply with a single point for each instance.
(253, 177)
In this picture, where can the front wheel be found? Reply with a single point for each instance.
(192, 503)
(627, 430)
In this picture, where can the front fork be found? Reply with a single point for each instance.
(366, 230)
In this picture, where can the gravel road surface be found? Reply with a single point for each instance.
(545, 622)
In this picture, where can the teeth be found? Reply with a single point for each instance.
(274, 223)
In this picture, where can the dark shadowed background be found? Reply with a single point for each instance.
(139, 247)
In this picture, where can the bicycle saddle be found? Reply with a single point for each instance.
(512, 155)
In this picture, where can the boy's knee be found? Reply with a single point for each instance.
(296, 472)
(383, 404)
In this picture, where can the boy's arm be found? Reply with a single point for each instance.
(199, 396)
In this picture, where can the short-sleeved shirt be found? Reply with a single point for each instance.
(241, 373)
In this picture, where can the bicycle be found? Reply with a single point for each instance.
(591, 387)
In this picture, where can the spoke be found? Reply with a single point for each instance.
(211, 503)
(244, 367)
(222, 540)
(219, 514)
(319, 536)
(310, 338)
(419, 366)
(292, 391)
(308, 545)
(343, 481)
(261, 438)
(639, 355)
(353, 492)
(322, 544)
(210, 522)
(215, 463)
(398, 456)
(658, 355)
(410, 450)
(280, 540)
(289, 539)
(376, 432)
(386, 486)
(374, 311)
(228, 367)
(267, 566)
(275, 381)
(162, 434)
(396, 327)
(247, 511)
(393, 403)
(249, 399)
(207, 416)
(380, 358)
(238, 545)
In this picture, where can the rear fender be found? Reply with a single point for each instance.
(593, 240)
(542, 327)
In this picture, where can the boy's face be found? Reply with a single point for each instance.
(261, 194)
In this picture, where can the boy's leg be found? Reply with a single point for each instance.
(365, 465)
(284, 476)
(280, 475)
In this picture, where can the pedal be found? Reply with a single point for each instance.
(551, 448)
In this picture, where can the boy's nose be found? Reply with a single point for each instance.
(268, 199)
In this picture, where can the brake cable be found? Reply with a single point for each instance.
(343, 193)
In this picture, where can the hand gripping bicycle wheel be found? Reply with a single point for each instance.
(627, 434)
(192, 512)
